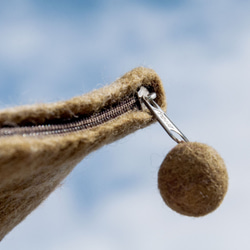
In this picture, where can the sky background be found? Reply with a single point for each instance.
(54, 50)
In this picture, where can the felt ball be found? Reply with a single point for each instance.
(193, 179)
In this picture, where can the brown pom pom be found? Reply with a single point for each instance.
(193, 179)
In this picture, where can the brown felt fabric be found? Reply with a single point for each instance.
(31, 168)
(193, 179)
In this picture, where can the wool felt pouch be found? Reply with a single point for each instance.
(41, 144)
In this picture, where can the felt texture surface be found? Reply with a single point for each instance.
(193, 179)
(31, 168)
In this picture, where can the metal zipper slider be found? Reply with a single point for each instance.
(160, 115)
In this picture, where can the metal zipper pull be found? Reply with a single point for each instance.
(160, 115)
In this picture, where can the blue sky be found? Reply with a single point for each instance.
(54, 50)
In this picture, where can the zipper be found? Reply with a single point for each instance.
(75, 124)
(148, 99)
(142, 100)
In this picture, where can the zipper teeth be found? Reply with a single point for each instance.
(78, 125)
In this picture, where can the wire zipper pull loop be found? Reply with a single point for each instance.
(160, 115)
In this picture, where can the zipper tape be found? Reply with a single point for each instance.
(31, 167)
